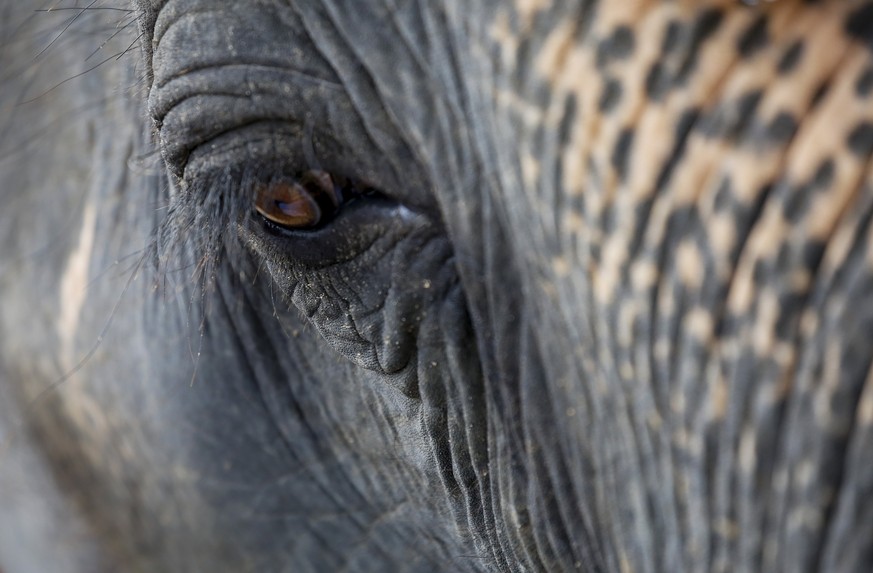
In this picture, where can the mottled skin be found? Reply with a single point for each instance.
(612, 312)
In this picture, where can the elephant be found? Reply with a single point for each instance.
(399, 285)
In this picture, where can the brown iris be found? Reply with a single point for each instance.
(298, 203)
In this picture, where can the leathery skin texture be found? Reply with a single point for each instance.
(407, 285)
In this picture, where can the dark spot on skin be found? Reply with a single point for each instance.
(796, 205)
(671, 37)
(782, 128)
(622, 151)
(754, 38)
(731, 119)
(657, 82)
(611, 95)
(565, 129)
(761, 272)
(724, 198)
(576, 205)
(683, 128)
(595, 251)
(812, 253)
(681, 221)
(859, 25)
(746, 215)
(865, 83)
(568, 119)
(786, 254)
(799, 200)
(642, 213)
(704, 27)
(860, 141)
(824, 175)
(683, 225)
(729, 325)
(790, 307)
(791, 57)
(779, 130)
(608, 218)
(623, 42)
(746, 107)
(819, 94)
(618, 46)
(525, 50)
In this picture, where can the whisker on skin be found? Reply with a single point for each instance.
(130, 47)
(105, 272)
(201, 331)
(34, 136)
(94, 8)
(73, 29)
(80, 32)
(115, 57)
(110, 38)
(67, 27)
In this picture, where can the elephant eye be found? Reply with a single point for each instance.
(302, 202)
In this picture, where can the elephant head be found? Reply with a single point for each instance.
(437, 286)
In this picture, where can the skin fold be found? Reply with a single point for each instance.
(599, 296)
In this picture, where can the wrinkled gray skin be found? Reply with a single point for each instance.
(612, 311)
